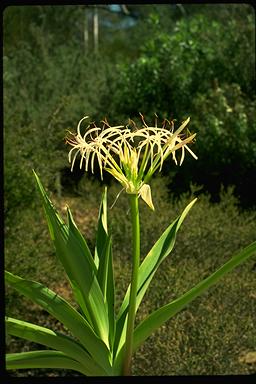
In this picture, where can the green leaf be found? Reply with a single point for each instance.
(147, 269)
(76, 290)
(161, 249)
(79, 266)
(42, 359)
(160, 316)
(102, 230)
(104, 262)
(66, 314)
(79, 237)
(54, 340)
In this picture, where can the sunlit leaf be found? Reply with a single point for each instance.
(78, 264)
(160, 250)
(54, 340)
(65, 313)
(42, 359)
(160, 316)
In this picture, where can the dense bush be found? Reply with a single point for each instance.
(174, 66)
(46, 91)
(208, 74)
(50, 82)
(225, 144)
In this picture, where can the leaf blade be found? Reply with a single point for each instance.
(65, 313)
(158, 317)
(54, 340)
(78, 264)
(160, 250)
(104, 262)
(42, 359)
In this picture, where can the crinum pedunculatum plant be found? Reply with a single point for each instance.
(104, 338)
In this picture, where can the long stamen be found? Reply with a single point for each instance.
(145, 160)
(79, 123)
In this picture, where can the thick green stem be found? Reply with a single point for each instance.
(134, 284)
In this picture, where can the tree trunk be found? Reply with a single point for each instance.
(86, 31)
(96, 29)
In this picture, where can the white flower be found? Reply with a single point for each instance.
(141, 151)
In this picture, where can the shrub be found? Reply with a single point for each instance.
(208, 75)
(42, 98)
(225, 144)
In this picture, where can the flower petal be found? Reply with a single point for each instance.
(145, 193)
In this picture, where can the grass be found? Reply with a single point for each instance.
(211, 337)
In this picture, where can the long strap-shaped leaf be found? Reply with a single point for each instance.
(66, 314)
(78, 264)
(76, 290)
(160, 316)
(54, 340)
(104, 263)
(147, 269)
(42, 359)
(102, 229)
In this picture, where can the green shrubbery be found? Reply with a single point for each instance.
(195, 71)
(226, 141)
(173, 67)
(39, 108)
(182, 69)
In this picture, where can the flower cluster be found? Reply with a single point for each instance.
(130, 153)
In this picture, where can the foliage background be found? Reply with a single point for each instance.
(182, 60)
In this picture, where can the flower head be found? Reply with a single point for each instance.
(130, 153)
